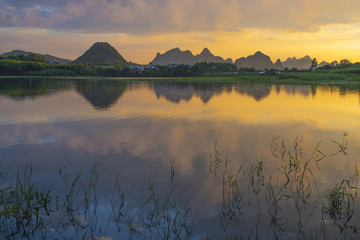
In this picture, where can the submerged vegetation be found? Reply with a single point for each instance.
(29, 212)
(259, 201)
(288, 201)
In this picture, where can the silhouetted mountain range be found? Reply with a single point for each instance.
(103, 54)
(51, 59)
(301, 63)
(258, 61)
(176, 56)
(323, 63)
(278, 65)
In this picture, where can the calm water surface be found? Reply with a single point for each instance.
(169, 134)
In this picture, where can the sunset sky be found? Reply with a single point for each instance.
(326, 29)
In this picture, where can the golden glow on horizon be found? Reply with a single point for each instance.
(331, 42)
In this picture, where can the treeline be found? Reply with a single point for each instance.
(171, 70)
(38, 65)
(33, 57)
(345, 66)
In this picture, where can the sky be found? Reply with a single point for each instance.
(326, 29)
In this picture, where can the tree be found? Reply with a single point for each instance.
(33, 57)
(344, 61)
(314, 64)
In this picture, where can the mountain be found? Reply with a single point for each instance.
(323, 63)
(176, 56)
(51, 59)
(334, 63)
(207, 56)
(278, 65)
(258, 61)
(102, 54)
(301, 63)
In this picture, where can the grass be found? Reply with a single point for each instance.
(337, 76)
(28, 212)
(261, 204)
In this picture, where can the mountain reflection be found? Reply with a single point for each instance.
(104, 94)
(176, 92)
(153, 128)
(101, 94)
(303, 90)
(258, 92)
(21, 89)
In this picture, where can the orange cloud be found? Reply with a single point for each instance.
(325, 29)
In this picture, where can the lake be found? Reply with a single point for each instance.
(176, 160)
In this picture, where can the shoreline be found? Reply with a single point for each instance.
(289, 78)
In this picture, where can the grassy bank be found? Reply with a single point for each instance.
(320, 76)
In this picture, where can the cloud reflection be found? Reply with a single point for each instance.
(148, 126)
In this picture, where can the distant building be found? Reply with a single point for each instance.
(135, 66)
(139, 67)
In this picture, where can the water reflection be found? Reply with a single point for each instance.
(176, 92)
(149, 127)
(21, 89)
(101, 94)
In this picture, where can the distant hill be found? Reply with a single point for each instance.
(102, 54)
(176, 56)
(258, 61)
(51, 59)
(207, 56)
(301, 63)
(278, 65)
(323, 63)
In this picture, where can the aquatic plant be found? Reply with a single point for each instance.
(258, 201)
(290, 197)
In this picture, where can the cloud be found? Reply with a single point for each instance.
(145, 17)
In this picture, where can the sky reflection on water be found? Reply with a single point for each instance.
(137, 129)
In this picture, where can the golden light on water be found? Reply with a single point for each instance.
(320, 106)
(327, 108)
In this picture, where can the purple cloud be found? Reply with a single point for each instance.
(162, 16)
